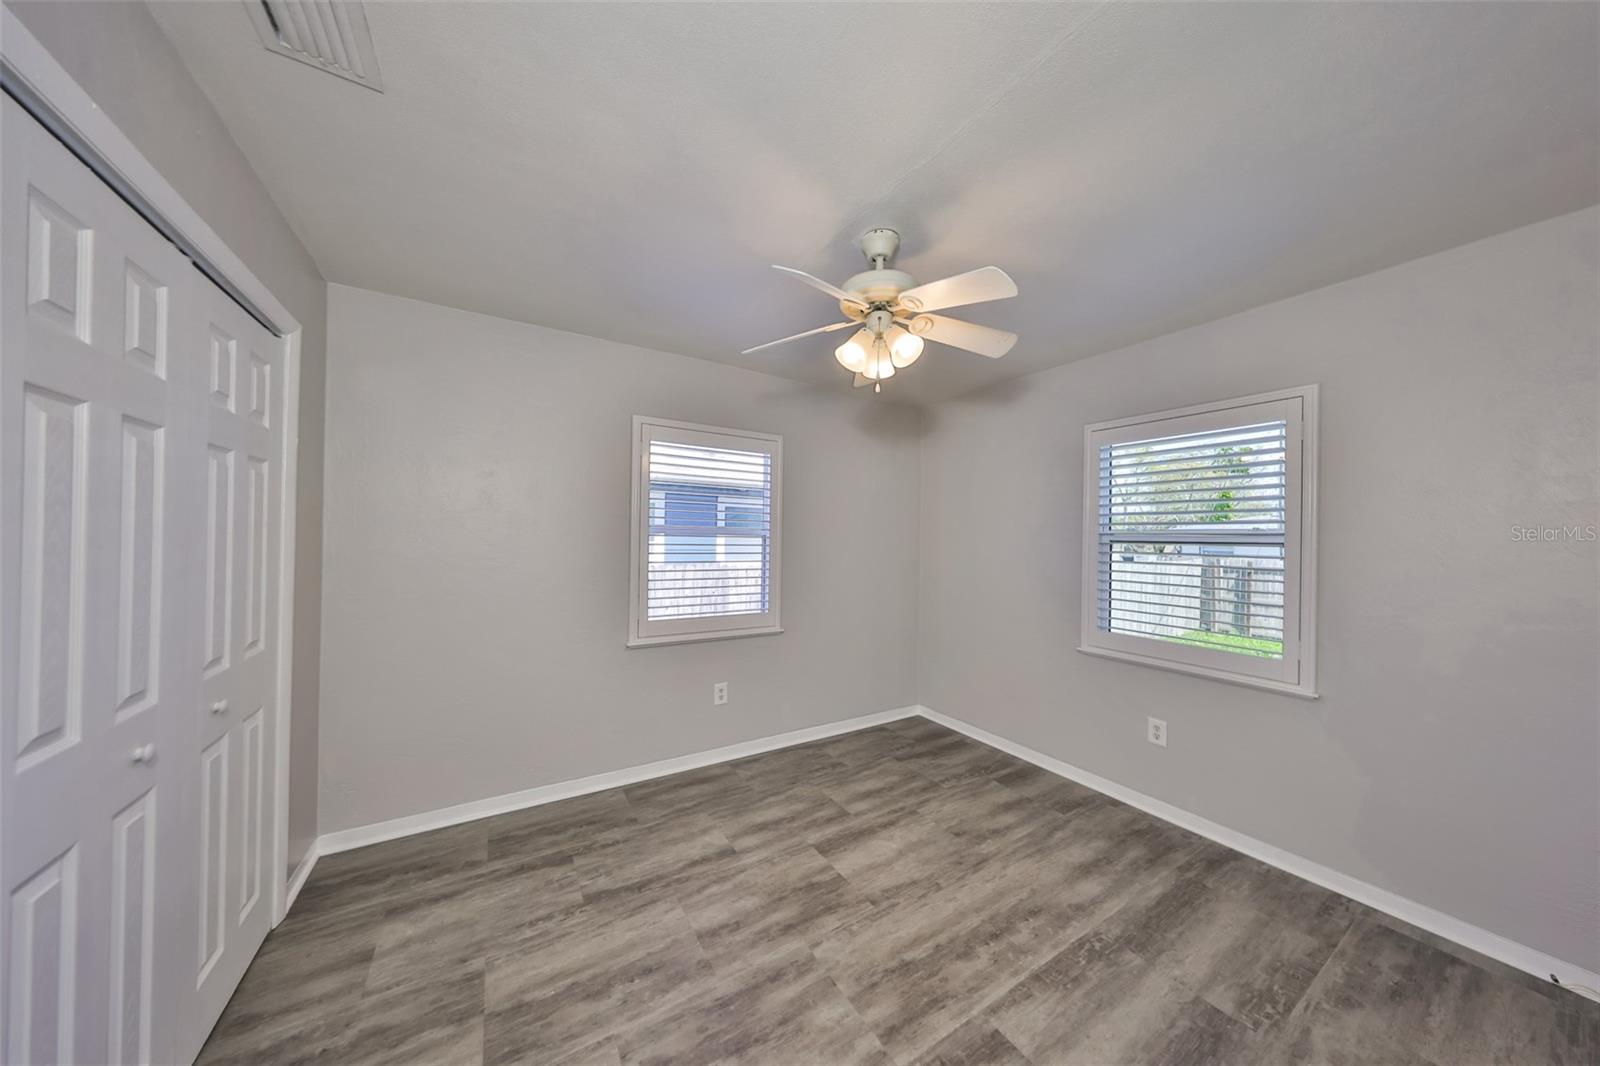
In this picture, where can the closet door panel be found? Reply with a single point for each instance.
(238, 717)
(98, 407)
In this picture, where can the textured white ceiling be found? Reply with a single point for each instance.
(629, 171)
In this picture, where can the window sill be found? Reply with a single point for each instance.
(695, 638)
(1280, 687)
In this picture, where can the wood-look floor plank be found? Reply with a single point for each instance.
(656, 857)
(886, 785)
(1097, 1002)
(437, 1020)
(916, 969)
(776, 820)
(1226, 929)
(895, 855)
(782, 1009)
(1046, 788)
(588, 972)
(769, 902)
(559, 828)
(1383, 990)
(974, 1042)
(498, 905)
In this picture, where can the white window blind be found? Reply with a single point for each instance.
(1195, 545)
(706, 532)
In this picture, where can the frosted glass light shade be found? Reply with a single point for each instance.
(853, 353)
(905, 347)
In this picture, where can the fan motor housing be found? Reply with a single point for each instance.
(879, 286)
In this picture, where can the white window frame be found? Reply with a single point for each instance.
(642, 632)
(1295, 674)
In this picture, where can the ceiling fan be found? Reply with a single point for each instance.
(892, 313)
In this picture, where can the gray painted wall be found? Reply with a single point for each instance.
(118, 54)
(1454, 757)
(476, 584)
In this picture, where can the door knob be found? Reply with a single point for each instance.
(220, 707)
(144, 754)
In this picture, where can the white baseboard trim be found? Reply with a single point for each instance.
(297, 880)
(1495, 946)
(377, 832)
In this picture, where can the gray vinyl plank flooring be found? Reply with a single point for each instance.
(900, 894)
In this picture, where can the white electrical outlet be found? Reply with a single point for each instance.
(719, 694)
(1156, 731)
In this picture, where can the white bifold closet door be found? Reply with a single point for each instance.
(236, 645)
(140, 435)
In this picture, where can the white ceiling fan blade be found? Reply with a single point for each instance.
(829, 328)
(817, 283)
(985, 340)
(973, 287)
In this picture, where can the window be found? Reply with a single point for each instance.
(1199, 540)
(705, 532)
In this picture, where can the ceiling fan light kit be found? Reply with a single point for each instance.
(891, 313)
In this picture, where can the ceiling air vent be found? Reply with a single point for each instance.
(331, 35)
